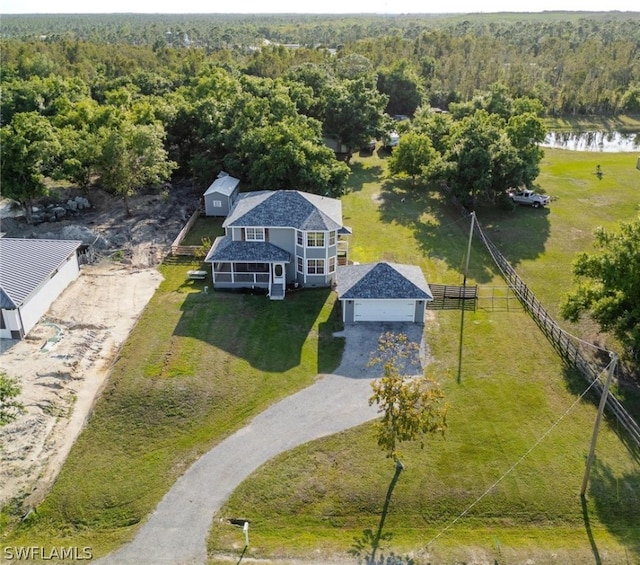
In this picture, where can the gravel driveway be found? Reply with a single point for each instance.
(176, 531)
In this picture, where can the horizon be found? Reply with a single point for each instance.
(326, 7)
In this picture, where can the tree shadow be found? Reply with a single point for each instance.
(520, 234)
(268, 334)
(366, 547)
(362, 174)
(616, 502)
(440, 231)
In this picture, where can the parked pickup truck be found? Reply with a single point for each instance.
(529, 197)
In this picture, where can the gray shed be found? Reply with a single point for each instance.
(382, 292)
(221, 195)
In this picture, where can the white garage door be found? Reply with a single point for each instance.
(384, 310)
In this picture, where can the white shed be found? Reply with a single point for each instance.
(382, 292)
(33, 273)
(221, 195)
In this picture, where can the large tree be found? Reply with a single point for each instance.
(486, 154)
(289, 154)
(354, 112)
(132, 157)
(608, 284)
(413, 156)
(10, 408)
(403, 86)
(29, 150)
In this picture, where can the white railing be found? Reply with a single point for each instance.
(243, 278)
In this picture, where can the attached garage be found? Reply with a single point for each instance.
(33, 272)
(382, 292)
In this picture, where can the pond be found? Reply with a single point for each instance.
(602, 141)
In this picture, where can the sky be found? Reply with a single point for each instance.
(307, 6)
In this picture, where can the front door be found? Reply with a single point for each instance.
(278, 274)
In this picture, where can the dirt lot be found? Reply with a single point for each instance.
(65, 360)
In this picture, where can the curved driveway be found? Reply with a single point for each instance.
(177, 530)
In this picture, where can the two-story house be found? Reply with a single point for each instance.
(276, 238)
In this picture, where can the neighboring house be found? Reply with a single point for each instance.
(276, 238)
(33, 272)
(382, 292)
(335, 145)
(221, 195)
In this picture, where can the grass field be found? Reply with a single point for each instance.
(199, 366)
(204, 227)
(511, 391)
(196, 367)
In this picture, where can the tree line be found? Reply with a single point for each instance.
(131, 116)
(146, 97)
(578, 63)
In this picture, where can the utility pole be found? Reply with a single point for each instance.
(603, 401)
(464, 291)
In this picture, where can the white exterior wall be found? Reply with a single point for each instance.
(11, 322)
(41, 299)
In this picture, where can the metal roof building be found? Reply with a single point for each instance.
(33, 272)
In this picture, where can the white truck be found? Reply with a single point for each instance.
(526, 196)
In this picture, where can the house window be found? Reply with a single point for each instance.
(332, 238)
(300, 238)
(315, 239)
(216, 203)
(254, 234)
(300, 265)
(332, 264)
(315, 266)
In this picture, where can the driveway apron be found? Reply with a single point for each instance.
(176, 531)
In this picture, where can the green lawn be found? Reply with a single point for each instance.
(510, 390)
(196, 367)
(199, 366)
(204, 227)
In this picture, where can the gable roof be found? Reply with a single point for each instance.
(383, 281)
(224, 184)
(286, 209)
(25, 264)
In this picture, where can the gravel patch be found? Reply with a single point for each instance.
(177, 530)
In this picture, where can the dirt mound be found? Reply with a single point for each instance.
(145, 235)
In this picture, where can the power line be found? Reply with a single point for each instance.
(485, 238)
(510, 469)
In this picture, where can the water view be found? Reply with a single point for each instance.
(603, 141)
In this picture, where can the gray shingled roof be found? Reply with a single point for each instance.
(226, 250)
(381, 280)
(25, 264)
(286, 209)
(224, 184)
